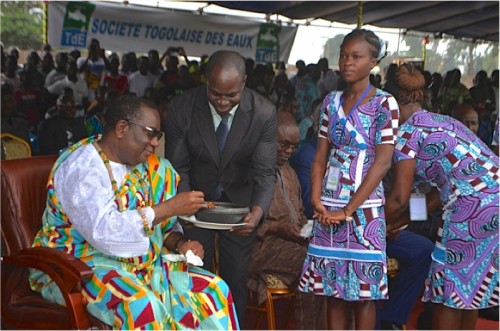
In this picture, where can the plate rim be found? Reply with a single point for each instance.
(209, 225)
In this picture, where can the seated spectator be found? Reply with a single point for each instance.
(74, 55)
(31, 69)
(93, 67)
(328, 81)
(141, 80)
(29, 99)
(113, 79)
(452, 92)
(75, 82)
(301, 161)
(47, 64)
(155, 68)
(59, 72)
(113, 204)
(10, 75)
(266, 86)
(129, 64)
(307, 122)
(280, 249)
(12, 122)
(94, 115)
(482, 94)
(307, 90)
(413, 253)
(62, 130)
(466, 114)
(495, 138)
(170, 77)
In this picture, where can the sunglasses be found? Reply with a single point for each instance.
(151, 132)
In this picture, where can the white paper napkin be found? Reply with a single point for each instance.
(190, 258)
(193, 259)
(306, 230)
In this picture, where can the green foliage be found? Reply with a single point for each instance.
(21, 24)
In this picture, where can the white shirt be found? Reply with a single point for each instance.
(217, 118)
(138, 83)
(80, 89)
(83, 187)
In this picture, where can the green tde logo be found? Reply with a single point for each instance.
(268, 43)
(76, 24)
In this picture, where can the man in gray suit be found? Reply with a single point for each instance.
(221, 138)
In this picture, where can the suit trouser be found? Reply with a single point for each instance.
(413, 253)
(234, 256)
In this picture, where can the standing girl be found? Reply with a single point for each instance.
(346, 258)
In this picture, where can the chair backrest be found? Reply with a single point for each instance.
(24, 195)
(14, 147)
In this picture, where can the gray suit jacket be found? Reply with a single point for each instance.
(247, 169)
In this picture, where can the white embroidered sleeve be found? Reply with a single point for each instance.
(83, 187)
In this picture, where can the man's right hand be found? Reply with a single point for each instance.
(187, 203)
(182, 204)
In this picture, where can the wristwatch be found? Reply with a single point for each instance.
(347, 218)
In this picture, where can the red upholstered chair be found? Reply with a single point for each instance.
(23, 201)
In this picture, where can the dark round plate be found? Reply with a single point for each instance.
(226, 213)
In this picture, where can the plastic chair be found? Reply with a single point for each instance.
(14, 147)
(275, 290)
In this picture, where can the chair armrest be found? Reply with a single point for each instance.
(65, 270)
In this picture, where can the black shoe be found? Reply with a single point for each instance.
(489, 313)
(387, 325)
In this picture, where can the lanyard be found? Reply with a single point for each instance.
(344, 121)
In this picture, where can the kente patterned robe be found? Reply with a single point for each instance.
(146, 292)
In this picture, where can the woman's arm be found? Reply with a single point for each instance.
(396, 203)
(318, 169)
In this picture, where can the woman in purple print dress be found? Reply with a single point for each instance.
(346, 258)
(464, 272)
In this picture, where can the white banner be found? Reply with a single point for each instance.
(124, 28)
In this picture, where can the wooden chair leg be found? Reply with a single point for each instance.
(271, 321)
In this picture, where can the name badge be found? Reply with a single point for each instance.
(332, 179)
(418, 207)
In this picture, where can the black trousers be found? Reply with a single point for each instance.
(234, 254)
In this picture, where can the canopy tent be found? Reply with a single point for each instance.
(474, 20)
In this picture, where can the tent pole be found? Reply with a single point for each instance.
(360, 14)
(45, 21)
(399, 41)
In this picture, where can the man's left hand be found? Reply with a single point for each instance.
(251, 219)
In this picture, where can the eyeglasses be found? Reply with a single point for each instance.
(286, 145)
(151, 132)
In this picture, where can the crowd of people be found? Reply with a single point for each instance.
(342, 148)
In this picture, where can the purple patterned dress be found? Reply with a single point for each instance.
(464, 270)
(348, 260)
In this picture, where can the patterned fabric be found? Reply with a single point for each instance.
(146, 292)
(306, 91)
(348, 260)
(464, 271)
